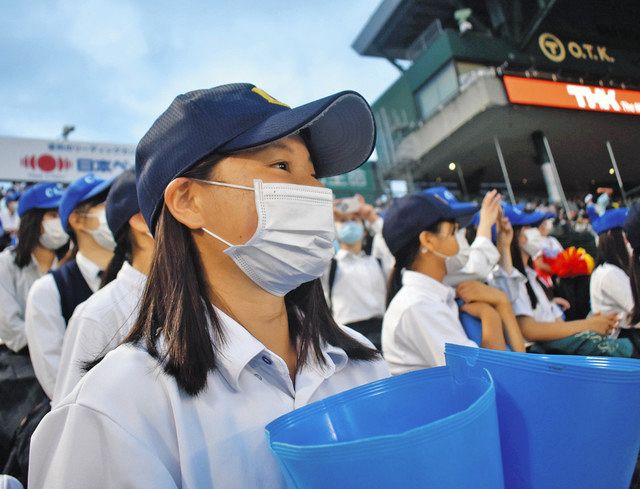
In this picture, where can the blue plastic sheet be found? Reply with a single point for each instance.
(434, 428)
(565, 421)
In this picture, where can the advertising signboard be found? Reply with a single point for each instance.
(23, 159)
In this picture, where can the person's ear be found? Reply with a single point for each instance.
(427, 241)
(184, 201)
(76, 221)
(137, 223)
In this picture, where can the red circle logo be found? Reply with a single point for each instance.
(46, 162)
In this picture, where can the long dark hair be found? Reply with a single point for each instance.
(28, 236)
(123, 252)
(405, 258)
(612, 249)
(634, 276)
(520, 265)
(180, 310)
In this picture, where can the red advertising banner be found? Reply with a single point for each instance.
(530, 91)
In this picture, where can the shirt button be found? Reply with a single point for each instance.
(266, 360)
(258, 376)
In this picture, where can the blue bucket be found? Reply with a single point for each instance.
(565, 421)
(424, 429)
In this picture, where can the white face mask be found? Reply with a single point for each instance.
(53, 236)
(535, 242)
(293, 242)
(457, 262)
(102, 234)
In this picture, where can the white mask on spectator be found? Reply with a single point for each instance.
(457, 262)
(53, 236)
(535, 242)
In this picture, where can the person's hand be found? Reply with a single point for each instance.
(490, 208)
(366, 211)
(475, 291)
(505, 233)
(603, 324)
(563, 303)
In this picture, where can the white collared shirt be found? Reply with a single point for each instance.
(10, 222)
(514, 285)
(610, 291)
(45, 325)
(473, 262)
(421, 318)
(359, 288)
(14, 287)
(97, 327)
(127, 424)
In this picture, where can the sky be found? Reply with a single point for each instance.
(110, 67)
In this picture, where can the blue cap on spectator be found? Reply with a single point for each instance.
(466, 208)
(632, 226)
(613, 218)
(409, 216)
(40, 196)
(11, 196)
(83, 189)
(519, 217)
(122, 202)
(339, 131)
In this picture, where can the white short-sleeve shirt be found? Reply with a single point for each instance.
(473, 262)
(127, 424)
(610, 291)
(421, 318)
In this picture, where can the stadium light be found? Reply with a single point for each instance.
(452, 166)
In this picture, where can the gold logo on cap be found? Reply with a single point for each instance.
(268, 97)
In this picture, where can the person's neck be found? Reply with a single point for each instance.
(525, 258)
(93, 251)
(430, 265)
(355, 248)
(44, 258)
(142, 254)
(262, 314)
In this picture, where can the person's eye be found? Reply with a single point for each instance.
(281, 165)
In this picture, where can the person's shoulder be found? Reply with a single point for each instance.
(99, 304)
(127, 380)
(45, 285)
(7, 257)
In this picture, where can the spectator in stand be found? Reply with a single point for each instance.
(9, 218)
(632, 230)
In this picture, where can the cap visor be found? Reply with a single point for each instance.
(341, 128)
(98, 189)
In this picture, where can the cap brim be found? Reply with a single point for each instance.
(98, 189)
(341, 129)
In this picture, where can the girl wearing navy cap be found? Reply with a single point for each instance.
(40, 236)
(541, 320)
(53, 298)
(632, 231)
(233, 329)
(99, 324)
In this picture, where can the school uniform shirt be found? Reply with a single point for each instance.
(14, 287)
(127, 424)
(45, 326)
(97, 327)
(421, 318)
(477, 260)
(610, 291)
(514, 285)
(10, 222)
(359, 288)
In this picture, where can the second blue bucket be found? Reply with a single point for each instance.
(565, 421)
(424, 429)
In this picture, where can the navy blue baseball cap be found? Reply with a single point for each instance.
(520, 217)
(83, 189)
(122, 202)
(409, 216)
(632, 226)
(613, 218)
(463, 208)
(40, 196)
(339, 133)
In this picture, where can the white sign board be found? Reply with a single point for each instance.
(37, 160)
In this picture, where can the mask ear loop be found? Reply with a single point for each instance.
(221, 184)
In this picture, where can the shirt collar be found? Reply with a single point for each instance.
(428, 285)
(89, 270)
(342, 254)
(240, 347)
(131, 277)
